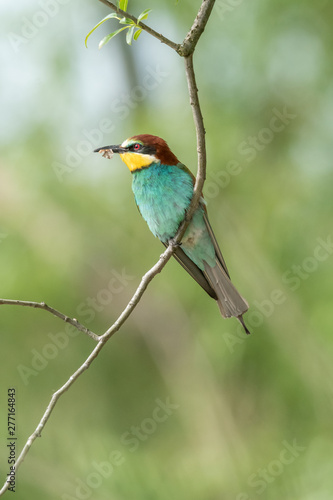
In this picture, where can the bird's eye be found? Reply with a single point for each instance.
(137, 146)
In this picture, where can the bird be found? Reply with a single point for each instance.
(163, 189)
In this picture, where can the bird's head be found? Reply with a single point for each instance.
(141, 151)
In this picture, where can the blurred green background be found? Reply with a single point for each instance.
(179, 404)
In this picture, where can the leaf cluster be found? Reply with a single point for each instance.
(132, 27)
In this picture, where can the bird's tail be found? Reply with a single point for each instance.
(229, 300)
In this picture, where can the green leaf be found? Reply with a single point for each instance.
(137, 34)
(126, 20)
(107, 38)
(129, 35)
(133, 29)
(143, 15)
(110, 16)
(123, 5)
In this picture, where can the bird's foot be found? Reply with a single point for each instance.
(174, 243)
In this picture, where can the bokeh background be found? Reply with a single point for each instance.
(179, 404)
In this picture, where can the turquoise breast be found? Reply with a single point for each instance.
(163, 193)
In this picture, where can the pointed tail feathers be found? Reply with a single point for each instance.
(230, 302)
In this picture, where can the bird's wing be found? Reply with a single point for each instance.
(229, 300)
(193, 271)
(216, 246)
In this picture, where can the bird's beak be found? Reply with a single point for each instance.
(109, 150)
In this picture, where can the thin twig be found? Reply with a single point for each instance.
(41, 305)
(188, 46)
(147, 278)
(185, 50)
(49, 409)
(159, 36)
(200, 133)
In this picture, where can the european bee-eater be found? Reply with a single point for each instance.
(163, 188)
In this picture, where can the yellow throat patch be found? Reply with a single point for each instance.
(135, 161)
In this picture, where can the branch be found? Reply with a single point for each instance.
(147, 278)
(143, 26)
(49, 409)
(185, 50)
(188, 46)
(41, 305)
(200, 133)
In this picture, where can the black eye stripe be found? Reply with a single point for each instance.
(135, 147)
(144, 149)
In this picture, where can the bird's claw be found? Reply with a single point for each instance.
(174, 243)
